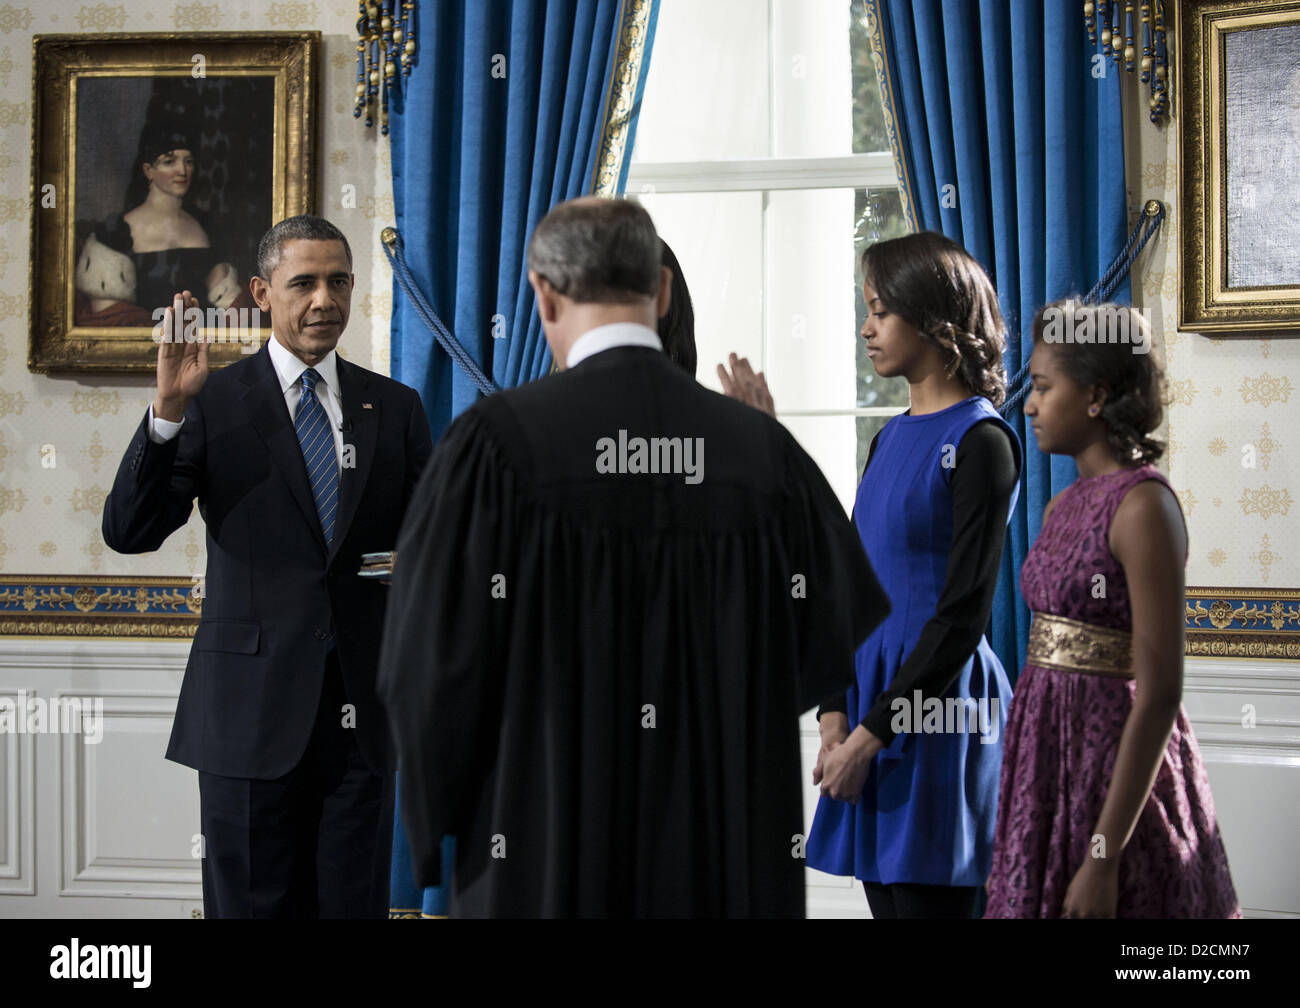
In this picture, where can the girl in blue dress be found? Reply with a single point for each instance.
(910, 757)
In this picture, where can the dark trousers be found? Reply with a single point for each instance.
(316, 842)
(904, 900)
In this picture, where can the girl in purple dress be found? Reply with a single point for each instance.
(1104, 807)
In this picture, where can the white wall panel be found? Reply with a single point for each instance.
(103, 831)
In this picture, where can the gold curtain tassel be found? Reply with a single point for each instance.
(1113, 28)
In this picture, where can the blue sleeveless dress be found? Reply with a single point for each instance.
(929, 806)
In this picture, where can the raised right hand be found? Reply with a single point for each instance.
(182, 366)
(743, 384)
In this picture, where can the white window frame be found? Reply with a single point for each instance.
(764, 175)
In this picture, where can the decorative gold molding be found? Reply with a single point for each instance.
(1257, 623)
(36, 605)
(620, 99)
(1243, 623)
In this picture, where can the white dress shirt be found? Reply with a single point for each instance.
(606, 337)
(288, 369)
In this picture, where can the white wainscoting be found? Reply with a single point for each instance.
(108, 830)
(102, 830)
(1246, 716)
(1254, 772)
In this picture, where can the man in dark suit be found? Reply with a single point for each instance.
(301, 462)
(616, 591)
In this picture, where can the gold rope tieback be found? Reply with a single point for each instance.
(385, 40)
(1119, 41)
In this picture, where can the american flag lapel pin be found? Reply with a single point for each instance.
(366, 405)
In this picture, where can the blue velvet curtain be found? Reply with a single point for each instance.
(514, 106)
(1006, 142)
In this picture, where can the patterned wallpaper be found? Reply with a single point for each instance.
(1233, 418)
(61, 437)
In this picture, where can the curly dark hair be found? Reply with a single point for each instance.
(1118, 356)
(939, 289)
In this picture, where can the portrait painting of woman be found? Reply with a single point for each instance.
(157, 165)
(188, 201)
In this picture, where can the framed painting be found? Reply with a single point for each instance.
(1239, 144)
(158, 162)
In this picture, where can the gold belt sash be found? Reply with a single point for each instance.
(1059, 643)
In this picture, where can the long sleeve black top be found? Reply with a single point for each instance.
(982, 482)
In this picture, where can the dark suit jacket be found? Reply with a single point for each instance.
(276, 601)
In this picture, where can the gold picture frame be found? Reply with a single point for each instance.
(1239, 141)
(103, 107)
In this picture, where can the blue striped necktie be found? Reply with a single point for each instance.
(317, 442)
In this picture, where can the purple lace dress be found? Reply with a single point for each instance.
(1063, 732)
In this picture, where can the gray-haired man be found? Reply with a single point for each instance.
(617, 591)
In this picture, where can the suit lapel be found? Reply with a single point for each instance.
(360, 432)
(264, 401)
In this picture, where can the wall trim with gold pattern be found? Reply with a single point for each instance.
(34, 605)
(1243, 622)
(1220, 622)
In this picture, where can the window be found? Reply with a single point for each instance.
(761, 154)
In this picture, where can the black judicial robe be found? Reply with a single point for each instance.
(594, 674)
